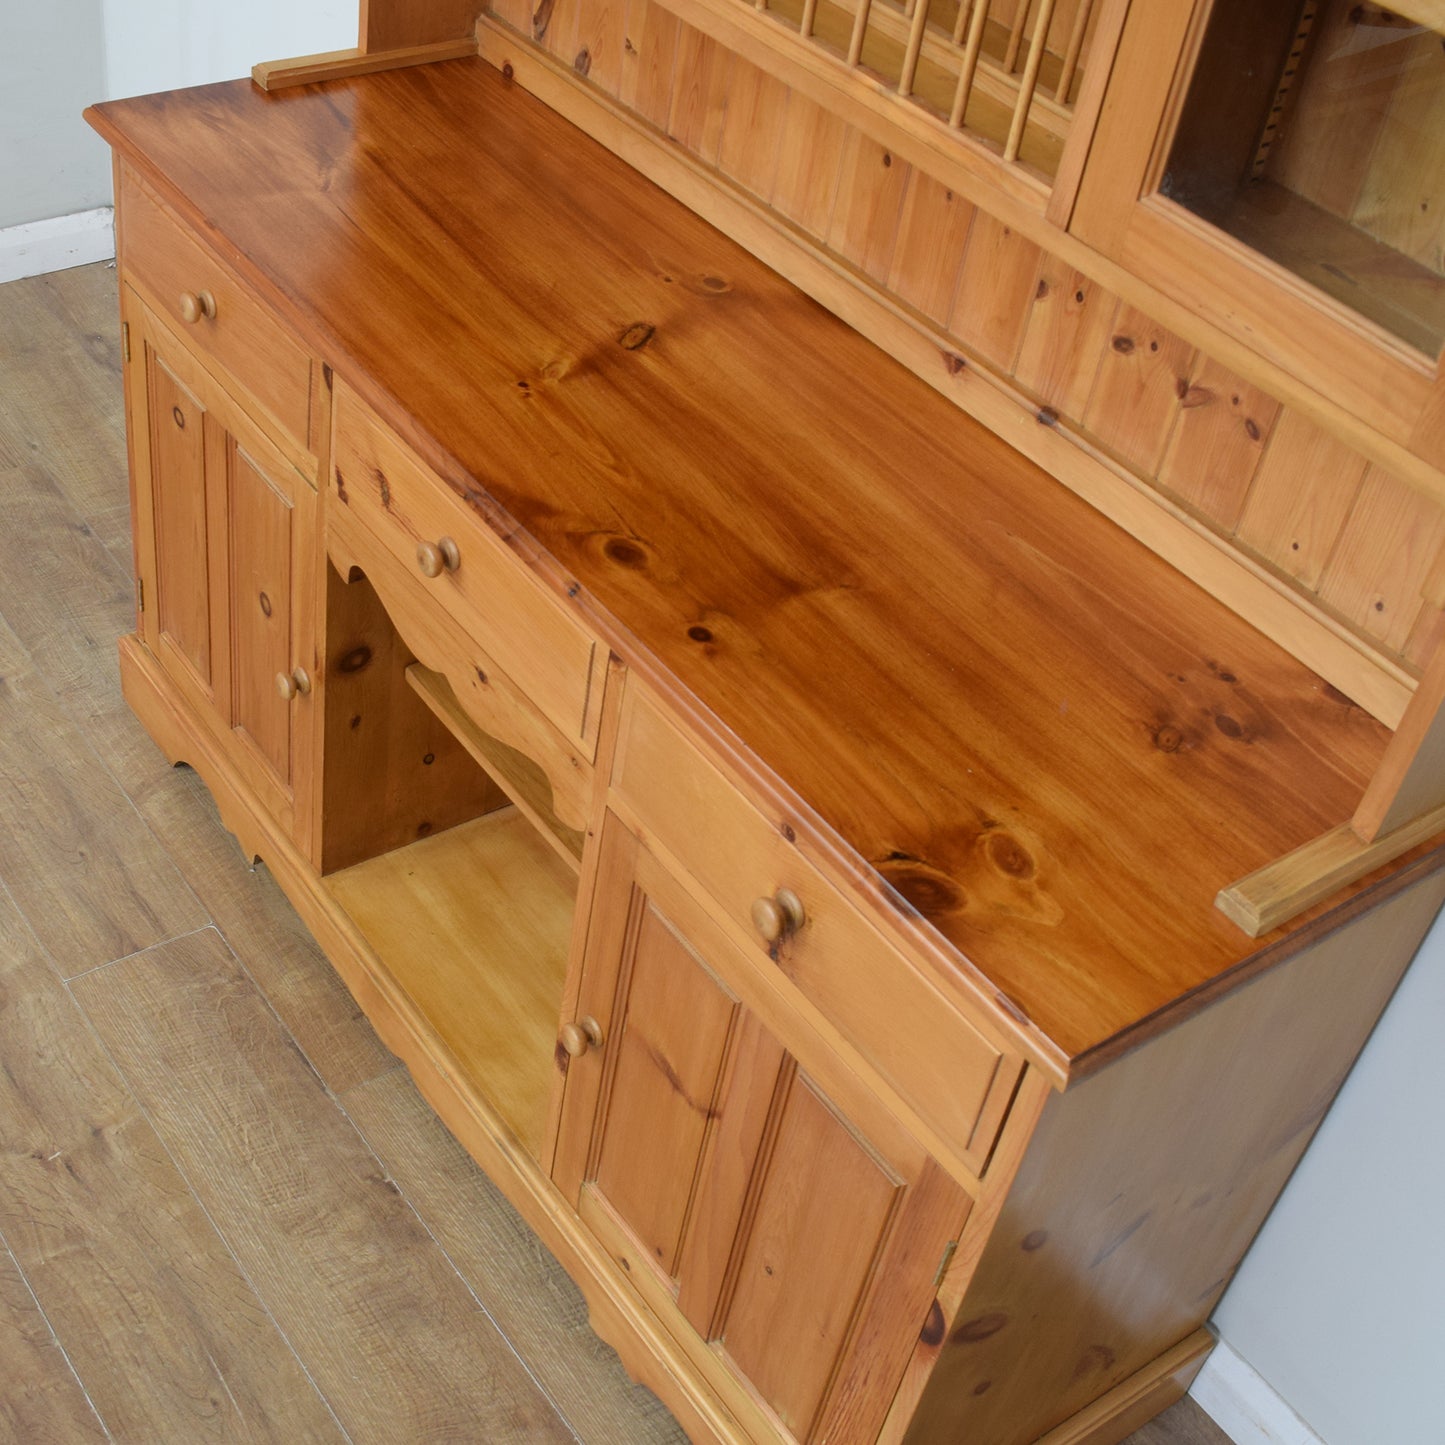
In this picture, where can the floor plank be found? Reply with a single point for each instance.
(1181, 1424)
(74, 852)
(41, 1402)
(164, 1331)
(67, 599)
(61, 402)
(389, 1331)
(272, 943)
(533, 1302)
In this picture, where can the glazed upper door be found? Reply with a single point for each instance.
(226, 535)
(1278, 168)
(791, 1227)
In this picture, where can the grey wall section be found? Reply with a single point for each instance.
(58, 56)
(1340, 1305)
(165, 44)
(52, 65)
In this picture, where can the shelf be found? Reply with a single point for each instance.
(522, 779)
(475, 925)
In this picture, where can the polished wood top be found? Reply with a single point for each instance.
(1049, 743)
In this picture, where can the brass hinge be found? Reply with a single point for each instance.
(140, 594)
(125, 340)
(948, 1253)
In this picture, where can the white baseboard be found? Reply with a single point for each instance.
(1244, 1405)
(41, 246)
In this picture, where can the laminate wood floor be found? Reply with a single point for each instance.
(225, 1214)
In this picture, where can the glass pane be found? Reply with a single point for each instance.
(1315, 133)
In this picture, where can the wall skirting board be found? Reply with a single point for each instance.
(1244, 1405)
(53, 245)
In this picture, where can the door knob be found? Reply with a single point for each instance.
(578, 1037)
(292, 683)
(778, 917)
(437, 557)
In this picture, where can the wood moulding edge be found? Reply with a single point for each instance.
(338, 64)
(1377, 685)
(1285, 888)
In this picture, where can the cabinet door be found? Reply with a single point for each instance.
(1277, 172)
(765, 1203)
(225, 543)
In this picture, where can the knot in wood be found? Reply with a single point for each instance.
(637, 336)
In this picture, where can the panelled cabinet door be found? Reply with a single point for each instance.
(225, 543)
(794, 1235)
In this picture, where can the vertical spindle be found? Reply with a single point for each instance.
(1073, 50)
(960, 21)
(970, 62)
(1015, 36)
(915, 45)
(860, 30)
(1029, 81)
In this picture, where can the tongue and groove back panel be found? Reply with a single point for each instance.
(1298, 497)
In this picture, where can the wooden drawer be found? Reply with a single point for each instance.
(483, 587)
(234, 330)
(947, 1069)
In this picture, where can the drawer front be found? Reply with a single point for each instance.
(957, 1080)
(233, 329)
(485, 589)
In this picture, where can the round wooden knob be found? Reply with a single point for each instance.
(292, 683)
(196, 304)
(437, 557)
(777, 917)
(578, 1037)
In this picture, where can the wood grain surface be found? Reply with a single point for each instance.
(390, 1333)
(43, 1400)
(157, 1317)
(919, 632)
(532, 1301)
(1066, 1288)
(450, 917)
(94, 885)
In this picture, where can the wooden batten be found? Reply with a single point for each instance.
(1410, 780)
(1282, 890)
(392, 34)
(339, 64)
(1403, 806)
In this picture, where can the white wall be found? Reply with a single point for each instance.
(162, 44)
(52, 65)
(1340, 1305)
(58, 56)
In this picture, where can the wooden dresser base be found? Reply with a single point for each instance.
(648, 1351)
